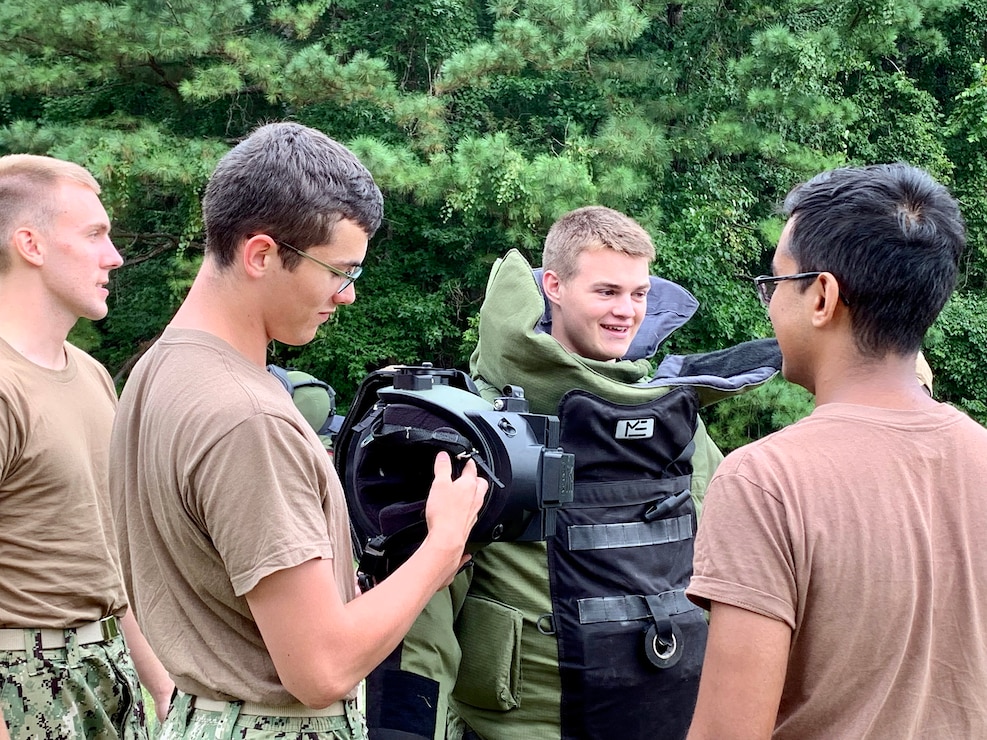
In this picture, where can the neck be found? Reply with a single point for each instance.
(31, 325)
(890, 382)
(219, 307)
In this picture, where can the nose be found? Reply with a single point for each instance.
(346, 296)
(624, 305)
(113, 257)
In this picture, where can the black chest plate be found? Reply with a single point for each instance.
(630, 643)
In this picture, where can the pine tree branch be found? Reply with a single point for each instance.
(129, 363)
(171, 244)
(161, 72)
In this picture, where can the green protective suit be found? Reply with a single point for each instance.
(479, 656)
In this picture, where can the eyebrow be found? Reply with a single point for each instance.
(337, 263)
(617, 286)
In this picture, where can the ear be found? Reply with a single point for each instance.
(551, 286)
(826, 293)
(259, 255)
(25, 242)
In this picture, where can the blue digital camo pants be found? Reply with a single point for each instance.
(72, 692)
(184, 722)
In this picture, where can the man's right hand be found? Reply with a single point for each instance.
(452, 508)
(321, 646)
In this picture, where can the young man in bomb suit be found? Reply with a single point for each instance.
(589, 634)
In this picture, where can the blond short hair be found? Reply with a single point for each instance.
(588, 229)
(27, 183)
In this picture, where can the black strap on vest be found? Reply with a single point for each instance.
(629, 608)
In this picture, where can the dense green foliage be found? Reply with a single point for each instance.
(483, 122)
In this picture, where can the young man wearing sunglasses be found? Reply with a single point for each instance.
(233, 525)
(840, 557)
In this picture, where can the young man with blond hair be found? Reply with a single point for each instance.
(589, 633)
(65, 670)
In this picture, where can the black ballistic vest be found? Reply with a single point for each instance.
(630, 644)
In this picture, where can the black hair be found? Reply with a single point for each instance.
(892, 236)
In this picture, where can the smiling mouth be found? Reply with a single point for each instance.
(616, 329)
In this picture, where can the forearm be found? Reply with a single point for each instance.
(397, 601)
(332, 646)
(152, 674)
(4, 734)
(322, 647)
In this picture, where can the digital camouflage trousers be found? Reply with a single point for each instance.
(185, 722)
(72, 692)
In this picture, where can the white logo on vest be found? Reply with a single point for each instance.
(635, 429)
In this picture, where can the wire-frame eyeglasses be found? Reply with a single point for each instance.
(349, 276)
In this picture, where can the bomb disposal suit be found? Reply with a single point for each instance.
(589, 634)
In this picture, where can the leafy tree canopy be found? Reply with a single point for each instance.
(483, 122)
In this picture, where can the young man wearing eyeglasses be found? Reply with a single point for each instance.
(588, 634)
(841, 557)
(233, 525)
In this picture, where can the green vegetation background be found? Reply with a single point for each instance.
(484, 121)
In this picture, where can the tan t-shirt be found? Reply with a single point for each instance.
(863, 530)
(59, 565)
(217, 481)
